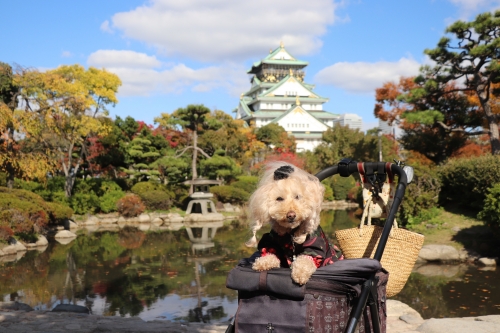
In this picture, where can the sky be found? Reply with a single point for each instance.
(171, 53)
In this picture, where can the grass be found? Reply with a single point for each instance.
(461, 229)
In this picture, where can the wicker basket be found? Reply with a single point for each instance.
(400, 254)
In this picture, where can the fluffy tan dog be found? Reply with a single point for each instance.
(289, 199)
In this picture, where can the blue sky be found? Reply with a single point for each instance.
(171, 53)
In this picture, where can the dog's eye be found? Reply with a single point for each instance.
(279, 199)
(297, 197)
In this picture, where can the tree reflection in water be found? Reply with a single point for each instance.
(164, 274)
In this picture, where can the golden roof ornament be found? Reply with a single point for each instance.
(297, 101)
(291, 72)
(281, 44)
(241, 96)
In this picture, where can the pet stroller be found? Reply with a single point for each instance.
(335, 299)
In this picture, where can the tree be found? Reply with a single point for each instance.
(472, 58)
(432, 124)
(194, 119)
(67, 104)
(338, 142)
(18, 157)
(276, 138)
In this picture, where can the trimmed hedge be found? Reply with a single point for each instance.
(491, 210)
(24, 212)
(230, 194)
(466, 181)
(107, 203)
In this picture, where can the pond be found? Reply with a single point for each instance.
(180, 275)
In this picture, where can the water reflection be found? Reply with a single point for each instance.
(180, 274)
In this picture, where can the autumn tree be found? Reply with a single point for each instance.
(470, 59)
(230, 136)
(18, 156)
(69, 103)
(434, 125)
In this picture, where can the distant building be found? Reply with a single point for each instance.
(350, 119)
(279, 95)
(386, 128)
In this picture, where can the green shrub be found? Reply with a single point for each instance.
(130, 205)
(107, 203)
(144, 187)
(340, 186)
(426, 215)
(156, 200)
(83, 203)
(245, 186)
(421, 194)
(230, 194)
(490, 213)
(328, 193)
(58, 211)
(465, 181)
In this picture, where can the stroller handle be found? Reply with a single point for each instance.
(345, 168)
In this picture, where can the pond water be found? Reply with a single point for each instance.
(180, 275)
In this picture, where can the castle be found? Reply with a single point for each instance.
(279, 95)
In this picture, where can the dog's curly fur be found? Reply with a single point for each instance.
(290, 201)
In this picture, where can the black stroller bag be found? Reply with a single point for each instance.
(271, 302)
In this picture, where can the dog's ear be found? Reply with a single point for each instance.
(283, 172)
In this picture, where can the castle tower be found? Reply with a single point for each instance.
(278, 94)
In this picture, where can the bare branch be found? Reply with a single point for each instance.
(191, 147)
(461, 130)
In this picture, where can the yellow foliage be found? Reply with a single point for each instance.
(61, 108)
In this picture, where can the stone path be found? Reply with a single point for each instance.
(401, 319)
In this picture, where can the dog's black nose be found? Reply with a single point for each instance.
(291, 215)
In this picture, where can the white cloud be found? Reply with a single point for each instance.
(473, 5)
(140, 76)
(365, 77)
(66, 54)
(106, 28)
(122, 59)
(210, 30)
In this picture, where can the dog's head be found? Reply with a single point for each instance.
(289, 199)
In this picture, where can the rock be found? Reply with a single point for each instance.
(15, 306)
(228, 207)
(70, 308)
(435, 252)
(109, 219)
(412, 319)
(42, 241)
(456, 229)
(195, 217)
(157, 221)
(128, 220)
(237, 209)
(481, 324)
(72, 225)
(64, 234)
(92, 220)
(487, 261)
(144, 218)
(13, 247)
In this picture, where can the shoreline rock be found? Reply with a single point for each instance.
(401, 318)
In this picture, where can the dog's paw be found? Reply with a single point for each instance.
(266, 262)
(302, 269)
